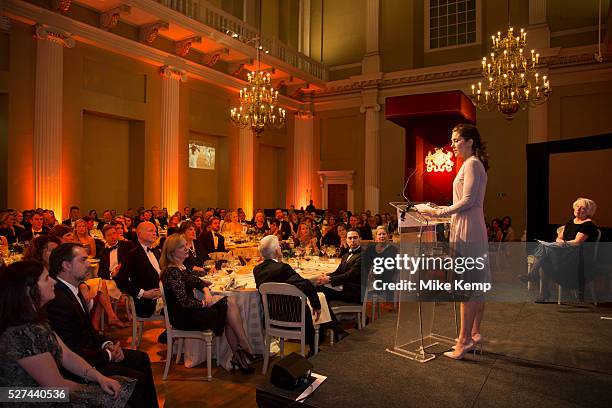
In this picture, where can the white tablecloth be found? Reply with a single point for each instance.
(251, 311)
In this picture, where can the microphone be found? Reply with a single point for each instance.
(403, 214)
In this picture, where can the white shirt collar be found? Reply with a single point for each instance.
(73, 289)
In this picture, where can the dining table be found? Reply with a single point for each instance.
(238, 282)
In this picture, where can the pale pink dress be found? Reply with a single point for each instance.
(468, 230)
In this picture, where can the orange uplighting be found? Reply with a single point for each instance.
(439, 161)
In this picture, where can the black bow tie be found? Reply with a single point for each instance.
(112, 247)
(352, 251)
(150, 249)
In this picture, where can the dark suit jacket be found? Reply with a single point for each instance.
(279, 272)
(11, 236)
(208, 243)
(73, 325)
(136, 274)
(67, 222)
(348, 274)
(200, 255)
(123, 247)
(285, 229)
(27, 234)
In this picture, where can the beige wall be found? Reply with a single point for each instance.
(392, 152)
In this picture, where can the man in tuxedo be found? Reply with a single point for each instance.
(211, 240)
(348, 273)
(186, 213)
(69, 317)
(139, 277)
(114, 254)
(273, 269)
(285, 228)
(35, 230)
(107, 217)
(75, 214)
(364, 231)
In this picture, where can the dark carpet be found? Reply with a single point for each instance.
(534, 356)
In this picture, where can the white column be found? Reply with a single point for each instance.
(171, 81)
(372, 157)
(304, 27)
(245, 171)
(303, 136)
(48, 117)
(371, 61)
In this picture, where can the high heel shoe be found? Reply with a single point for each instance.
(478, 341)
(251, 357)
(239, 362)
(452, 354)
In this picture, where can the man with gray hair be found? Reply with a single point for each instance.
(273, 269)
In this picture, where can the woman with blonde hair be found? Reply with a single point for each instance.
(231, 225)
(186, 312)
(82, 237)
(306, 239)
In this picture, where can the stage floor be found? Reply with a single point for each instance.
(534, 356)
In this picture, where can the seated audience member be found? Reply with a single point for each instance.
(173, 224)
(306, 240)
(186, 213)
(197, 253)
(211, 240)
(507, 231)
(331, 237)
(130, 230)
(342, 233)
(495, 231)
(8, 229)
(198, 221)
(572, 264)
(49, 219)
(63, 232)
(107, 217)
(114, 253)
(75, 214)
(284, 226)
(70, 319)
(293, 223)
(260, 225)
(139, 277)
(383, 249)
(348, 274)
(32, 353)
(19, 221)
(275, 229)
(273, 269)
(186, 312)
(94, 215)
(364, 231)
(40, 249)
(35, 229)
(232, 225)
(82, 236)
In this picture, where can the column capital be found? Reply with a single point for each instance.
(364, 108)
(46, 32)
(170, 72)
(303, 114)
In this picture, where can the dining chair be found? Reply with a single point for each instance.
(138, 323)
(173, 334)
(284, 316)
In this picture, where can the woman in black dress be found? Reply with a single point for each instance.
(186, 312)
(32, 354)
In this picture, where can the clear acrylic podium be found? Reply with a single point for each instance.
(416, 310)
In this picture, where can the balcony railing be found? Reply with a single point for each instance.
(203, 11)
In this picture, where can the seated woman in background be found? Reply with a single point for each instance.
(259, 224)
(173, 224)
(342, 232)
(32, 353)
(571, 264)
(384, 248)
(507, 231)
(82, 236)
(306, 240)
(198, 221)
(231, 225)
(63, 232)
(275, 229)
(186, 312)
(40, 249)
(331, 237)
(495, 231)
(8, 229)
(294, 223)
(196, 251)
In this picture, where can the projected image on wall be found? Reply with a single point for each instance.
(201, 156)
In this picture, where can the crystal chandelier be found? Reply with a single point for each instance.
(511, 81)
(257, 109)
(258, 104)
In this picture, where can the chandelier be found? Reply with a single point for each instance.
(258, 100)
(511, 81)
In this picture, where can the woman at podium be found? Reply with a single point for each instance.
(468, 235)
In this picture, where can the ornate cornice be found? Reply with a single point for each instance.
(110, 18)
(149, 32)
(45, 32)
(181, 48)
(170, 72)
(304, 114)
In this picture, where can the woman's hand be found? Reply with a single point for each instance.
(109, 385)
(208, 299)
